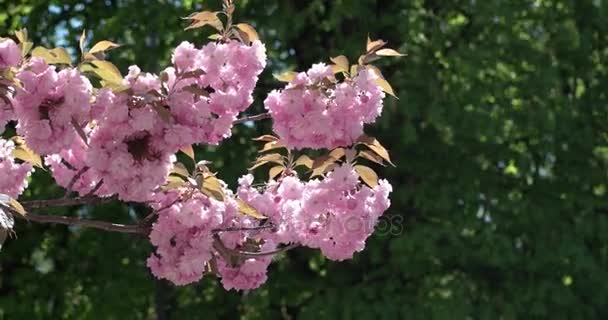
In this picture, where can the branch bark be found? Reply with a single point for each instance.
(257, 117)
(75, 221)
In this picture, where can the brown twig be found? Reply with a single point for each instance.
(73, 181)
(252, 118)
(75, 221)
(41, 204)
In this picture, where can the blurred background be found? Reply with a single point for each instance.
(500, 137)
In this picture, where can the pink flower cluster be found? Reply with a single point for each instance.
(13, 176)
(336, 214)
(10, 54)
(127, 150)
(183, 237)
(209, 87)
(313, 111)
(48, 105)
(71, 162)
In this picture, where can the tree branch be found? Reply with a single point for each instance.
(41, 204)
(257, 117)
(75, 221)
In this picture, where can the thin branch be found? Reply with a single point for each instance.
(252, 118)
(75, 221)
(73, 181)
(228, 253)
(40, 204)
(95, 189)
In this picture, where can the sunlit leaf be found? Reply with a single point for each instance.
(386, 87)
(373, 45)
(83, 37)
(107, 71)
(252, 35)
(189, 151)
(21, 35)
(24, 153)
(368, 175)
(271, 146)
(275, 171)
(266, 137)
(180, 169)
(337, 153)
(201, 19)
(366, 154)
(103, 45)
(389, 53)
(246, 209)
(304, 160)
(17, 207)
(286, 76)
(53, 56)
(212, 187)
(341, 63)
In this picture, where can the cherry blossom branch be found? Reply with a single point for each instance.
(234, 229)
(75, 221)
(256, 117)
(73, 181)
(41, 204)
(228, 253)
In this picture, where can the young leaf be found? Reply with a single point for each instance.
(252, 35)
(25, 47)
(83, 37)
(389, 53)
(271, 146)
(212, 187)
(386, 87)
(272, 157)
(368, 175)
(22, 152)
(275, 171)
(201, 19)
(180, 169)
(103, 46)
(21, 35)
(341, 63)
(17, 207)
(54, 56)
(246, 209)
(337, 153)
(107, 71)
(189, 151)
(266, 137)
(304, 160)
(286, 76)
(366, 154)
(376, 147)
(374, 45)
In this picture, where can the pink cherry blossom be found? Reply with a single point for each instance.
(313, 111)
(14, 175)
(49, 104)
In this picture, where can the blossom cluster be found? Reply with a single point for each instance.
(315, 111)
(129, 143)
(184, 233)
(209, 87)
(336, 214)
(13, 175)
(49, 104)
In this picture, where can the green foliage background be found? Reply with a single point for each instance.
(501, 142)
